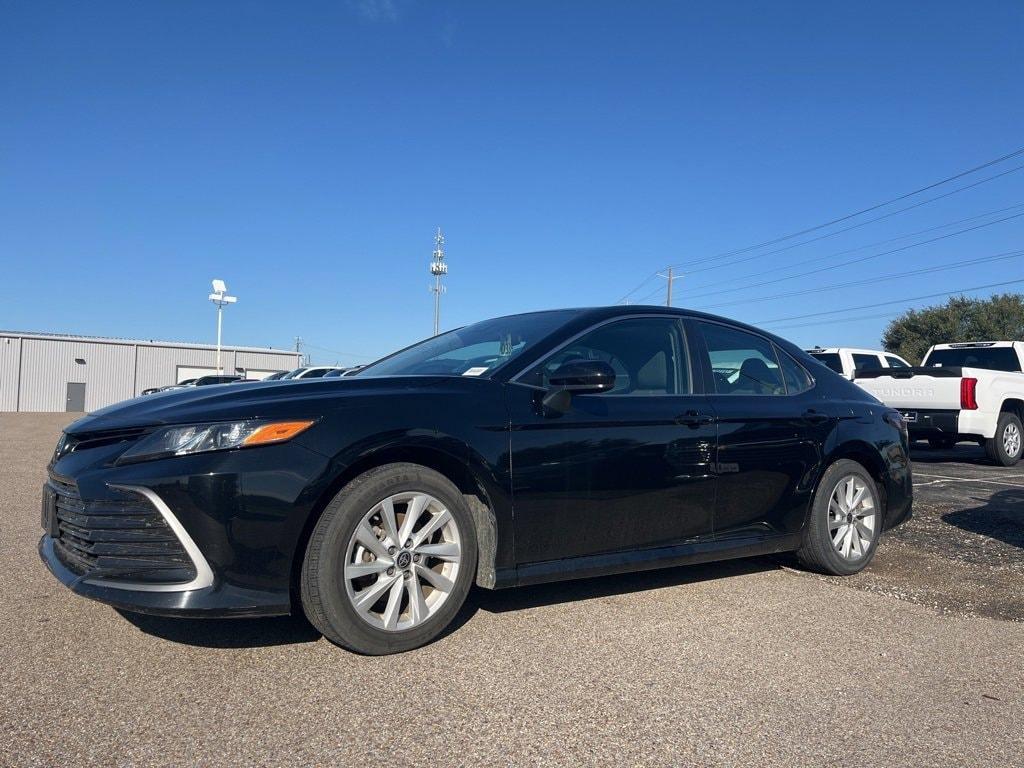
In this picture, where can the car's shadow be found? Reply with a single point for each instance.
(293, 630)
(1001, 517)
(964, 453)
(226, 633)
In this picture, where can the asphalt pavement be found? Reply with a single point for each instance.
(742, 663)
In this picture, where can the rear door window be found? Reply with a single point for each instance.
(742, 363)
(895, 362)
(796, 377)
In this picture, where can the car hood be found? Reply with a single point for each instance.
(272, 399)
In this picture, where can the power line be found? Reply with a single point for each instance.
(888, 303)
(816, 259)
(870, 280)
(689, 265)
(840, 231)
(874, 207)
(641, 285)
(862, 259)
(847, 320)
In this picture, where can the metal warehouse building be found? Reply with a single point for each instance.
(49, 372)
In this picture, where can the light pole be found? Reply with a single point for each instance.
(220, 298)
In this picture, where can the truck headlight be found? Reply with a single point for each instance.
(220, 436)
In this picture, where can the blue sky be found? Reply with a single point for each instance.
(305, 152)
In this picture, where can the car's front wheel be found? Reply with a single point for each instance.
(390, 561)
(845, 521)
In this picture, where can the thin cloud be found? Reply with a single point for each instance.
(376, 10)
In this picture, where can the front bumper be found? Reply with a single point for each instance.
(241, 516)
(219, 600)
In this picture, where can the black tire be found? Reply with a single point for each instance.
(324, 596)
(995, 447)
(942, 443)
(817, 553)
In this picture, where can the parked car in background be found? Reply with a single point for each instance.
(525, 449)
(202, 381)
(337, 373)
(275, 376)
(967, 391)
(205, 381)
(310, 372)
(846, 361)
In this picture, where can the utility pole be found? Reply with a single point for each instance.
(671, 279)
(438, 269)
(298, 348)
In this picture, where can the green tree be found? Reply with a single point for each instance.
(998, 318)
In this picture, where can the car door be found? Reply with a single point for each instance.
(618, 470)
(770, 428)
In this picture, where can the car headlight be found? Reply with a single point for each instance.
(221, 436)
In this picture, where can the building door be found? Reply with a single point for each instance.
(75, 402)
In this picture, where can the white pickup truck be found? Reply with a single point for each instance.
(969, 391)
(846, 361)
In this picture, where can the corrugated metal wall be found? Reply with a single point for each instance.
(10, 356)
(111, 370)
(47, 365)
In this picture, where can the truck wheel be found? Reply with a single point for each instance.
(391, 560)
(1005, 448)
(846, 518)
(943, 443)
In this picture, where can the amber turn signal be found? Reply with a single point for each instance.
(277, 432)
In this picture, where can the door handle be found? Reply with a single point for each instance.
(815, 417)
(695, 419)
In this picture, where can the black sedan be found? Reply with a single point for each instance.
(530, 448)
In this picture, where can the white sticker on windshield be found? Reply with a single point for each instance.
(475, 371)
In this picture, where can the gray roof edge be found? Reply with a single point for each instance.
(139, 342)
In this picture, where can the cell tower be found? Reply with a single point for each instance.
(438, 269)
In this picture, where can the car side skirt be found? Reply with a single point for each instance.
(688, 553)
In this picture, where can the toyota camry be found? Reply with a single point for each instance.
(525, 449)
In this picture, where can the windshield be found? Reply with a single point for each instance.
(828, 359)
(992, 358)
(476, 350)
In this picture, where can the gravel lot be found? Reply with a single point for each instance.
(915, 662)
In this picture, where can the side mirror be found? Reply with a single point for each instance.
(583, 377)
(579, 377)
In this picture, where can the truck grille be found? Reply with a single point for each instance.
(123, 540)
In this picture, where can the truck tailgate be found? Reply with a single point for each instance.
(909, 388)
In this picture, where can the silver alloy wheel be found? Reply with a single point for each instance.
(852, 517)
(1011, 440)
(402, 561)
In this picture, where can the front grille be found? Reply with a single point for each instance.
(69, 443)
(120, 540)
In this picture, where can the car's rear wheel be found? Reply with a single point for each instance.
(845, 521)
(1005, 448)
(390, 561)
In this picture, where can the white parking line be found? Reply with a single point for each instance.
(937, 479)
